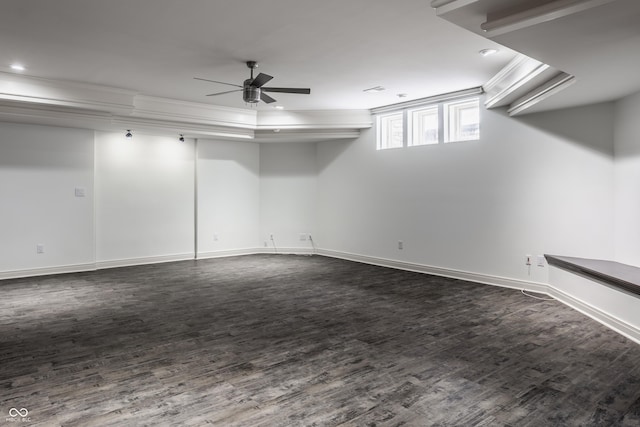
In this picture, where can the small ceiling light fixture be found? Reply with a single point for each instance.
(488, 52)
(181, 139)
(279, 107)
(17, 67)
(402, 95)
(276, 130)
(128, 135)
(374, 89)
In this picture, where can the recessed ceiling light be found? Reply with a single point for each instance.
(487, 52)
(17, 67)
(279, 107)
(374, 89)
(402, 95)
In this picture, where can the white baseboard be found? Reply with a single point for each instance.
(438, 271)
(228, 253)
(46, 271)
(630, 331)
(129, 262)
(253, 251)
(623, 328)
(600, 316)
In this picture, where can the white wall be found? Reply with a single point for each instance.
(144, 198)
(228, 196)
(535, 185)
(288, 201)
(40, 167)
(627, 180)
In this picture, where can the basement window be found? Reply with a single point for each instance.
(462, 120)
(390, 131)
(424, 125)
(437, 120)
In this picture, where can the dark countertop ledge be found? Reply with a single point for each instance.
(614, 274)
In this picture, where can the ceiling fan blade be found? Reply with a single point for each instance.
(222, 93)
(287, 90)
(266, 98)
(260, 79)
(215, 81)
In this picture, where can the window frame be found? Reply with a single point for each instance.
(409, 110)
(453, 124)
(414, 128)
(383, 138)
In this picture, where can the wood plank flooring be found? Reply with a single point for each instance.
(278, 340)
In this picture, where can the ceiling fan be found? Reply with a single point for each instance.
(253, 89)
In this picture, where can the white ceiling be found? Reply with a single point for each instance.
(599, 44)
(335, 47)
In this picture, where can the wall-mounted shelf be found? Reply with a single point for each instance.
(611, 273)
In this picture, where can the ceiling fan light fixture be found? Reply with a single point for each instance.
(128, 135)
(250, 94)
(253, 89)
(17, 67)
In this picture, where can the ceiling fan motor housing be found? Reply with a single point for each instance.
(250, 93)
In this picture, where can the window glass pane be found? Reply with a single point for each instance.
(463, 120)
(424, 125)
(390, 131)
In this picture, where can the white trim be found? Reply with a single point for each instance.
(623, 328)
(285, 135)
(602, 317)
(439, 271)
(542, 92)
(314, 120)
(519, 76)
(254, 251)
(229, 253)
(128, 262)
(46, 271)
(429, 100)
(291, 251)
(606, 319)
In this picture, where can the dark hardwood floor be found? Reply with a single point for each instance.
(275, 340)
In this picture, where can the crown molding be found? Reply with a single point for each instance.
(314, 119)
(559, 82)
(515, 79)
(450, 96)
(36, 90)
(151, 107)
(315, 135)
(28, 99)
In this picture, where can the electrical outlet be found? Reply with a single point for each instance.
(303, 237)
(39, 248)
(215, 237)
(540, 260)
(270, 236)
(80, 192)
(400, 245)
